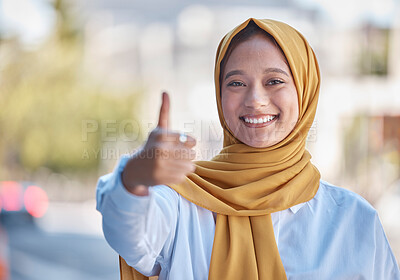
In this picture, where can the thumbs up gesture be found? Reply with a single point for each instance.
(166, 158)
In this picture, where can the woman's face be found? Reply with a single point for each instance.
(259, 98)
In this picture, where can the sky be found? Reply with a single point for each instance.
(351, 12)
(33, 20)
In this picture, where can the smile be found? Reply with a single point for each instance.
(258, 120)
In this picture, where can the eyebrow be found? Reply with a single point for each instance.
(268, 70)
(276, 70)
(234, 72)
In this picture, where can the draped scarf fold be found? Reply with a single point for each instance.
(244, 185)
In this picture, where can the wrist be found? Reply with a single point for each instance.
(139, 190)
(130, 185)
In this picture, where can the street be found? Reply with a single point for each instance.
(35, 254)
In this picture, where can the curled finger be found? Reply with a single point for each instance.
(183, 153)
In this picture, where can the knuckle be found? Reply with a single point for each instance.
(187, 169)
(191, 141)
(186, 154)
(181, 178)
(192, 168)
(180, 154)
(172, 136)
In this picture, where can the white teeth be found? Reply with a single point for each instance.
(259, 120)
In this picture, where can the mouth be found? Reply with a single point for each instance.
(258, 120)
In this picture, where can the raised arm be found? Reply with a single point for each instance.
(139, 221)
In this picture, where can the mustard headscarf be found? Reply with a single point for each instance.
(244, 185)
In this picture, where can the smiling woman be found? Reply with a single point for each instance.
(257, 210)
(259, 97)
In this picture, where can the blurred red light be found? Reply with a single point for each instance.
(36, 201)
(11, 192)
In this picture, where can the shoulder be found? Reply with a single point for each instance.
(341, 198)
(337, 206)
(355, 222)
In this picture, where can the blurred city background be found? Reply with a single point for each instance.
(80, 85)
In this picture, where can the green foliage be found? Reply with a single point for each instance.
(45, 96)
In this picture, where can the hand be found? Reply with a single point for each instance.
(164, 159)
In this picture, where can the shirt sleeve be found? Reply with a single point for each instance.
(139, 228)
(386, 266)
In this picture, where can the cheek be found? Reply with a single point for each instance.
(229, 108)
(295, 107)
(289, 104)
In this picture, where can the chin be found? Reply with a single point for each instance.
(259, 144)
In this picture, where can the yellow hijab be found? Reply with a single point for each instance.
(244, 185)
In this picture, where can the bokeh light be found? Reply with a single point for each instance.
(11, 194)
(36, 201)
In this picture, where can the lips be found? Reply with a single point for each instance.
(259, 120)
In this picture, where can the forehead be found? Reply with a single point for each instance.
(258, 48)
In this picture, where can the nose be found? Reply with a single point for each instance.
(256, 97)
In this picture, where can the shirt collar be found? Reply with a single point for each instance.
(297, 207)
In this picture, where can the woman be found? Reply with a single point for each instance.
(258, 210)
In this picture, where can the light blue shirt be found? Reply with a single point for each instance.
(336, 235)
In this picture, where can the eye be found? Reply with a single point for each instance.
(236, 84)
(275, 82)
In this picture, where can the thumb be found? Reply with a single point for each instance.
(163, 118)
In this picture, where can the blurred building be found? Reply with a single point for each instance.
(171, 45)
